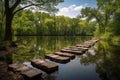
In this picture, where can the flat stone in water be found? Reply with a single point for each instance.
(32, 74)
(83, 45)
(72, 56)
(22, 69)
(75, 48)
(77, 52)
(27, 72)
(46, 66)
(59, 59)
(16, 67)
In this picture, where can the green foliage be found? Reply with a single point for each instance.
(46, 5)
(102, 13)
(40, 23)
(107, 36)
(14, 6)
(114, 25)
(93, 13)
(87, 28)
(104, 55)
(107, 15)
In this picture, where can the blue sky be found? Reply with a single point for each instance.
(72, 8)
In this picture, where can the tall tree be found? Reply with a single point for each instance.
(14, 6)
(102, 13)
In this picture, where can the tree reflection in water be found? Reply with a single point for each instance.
(106, 58)
(104, 55)
(37, 47)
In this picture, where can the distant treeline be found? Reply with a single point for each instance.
(37, 23)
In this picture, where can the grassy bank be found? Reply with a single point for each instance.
(111, 37)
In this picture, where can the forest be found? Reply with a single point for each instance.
(102, 21)
(32, 32)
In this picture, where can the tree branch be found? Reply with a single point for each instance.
(15, 5)
(22, 8)
(27, 7)
(97, 18)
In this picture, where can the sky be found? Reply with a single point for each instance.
(72, 8)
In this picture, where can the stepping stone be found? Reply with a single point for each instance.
(79, 48)
(89, 43)
(27, 72)
(18, 67)
(46, 66)
(82, 48)
(32, 74)
(84, 45)
(77, 52)
(72, 56)
(57, 58)
(22, 69)
(72, 49)
(95, 40)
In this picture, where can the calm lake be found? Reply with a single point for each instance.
(100, 62)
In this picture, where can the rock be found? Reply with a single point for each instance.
(32, 74)
(27, 72)
(83, 45)
(57, 58)
(16, 67)
(46, 66)
(73, 51)
(72, 56)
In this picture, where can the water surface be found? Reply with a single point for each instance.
(100, 62)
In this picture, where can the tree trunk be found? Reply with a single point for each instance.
(8, 26)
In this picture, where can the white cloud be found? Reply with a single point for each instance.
(72, 6)
(70, 11)
(78, 8)
(64, 10)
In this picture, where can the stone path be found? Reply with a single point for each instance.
(63, 56)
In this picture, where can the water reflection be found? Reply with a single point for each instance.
(101, 62)
(106, 59)
(37, 47)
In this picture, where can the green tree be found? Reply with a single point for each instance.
(14, 6)
(27, 22)
(103, 13)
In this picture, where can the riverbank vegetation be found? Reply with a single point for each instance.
(101, 21)
(107, 16)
